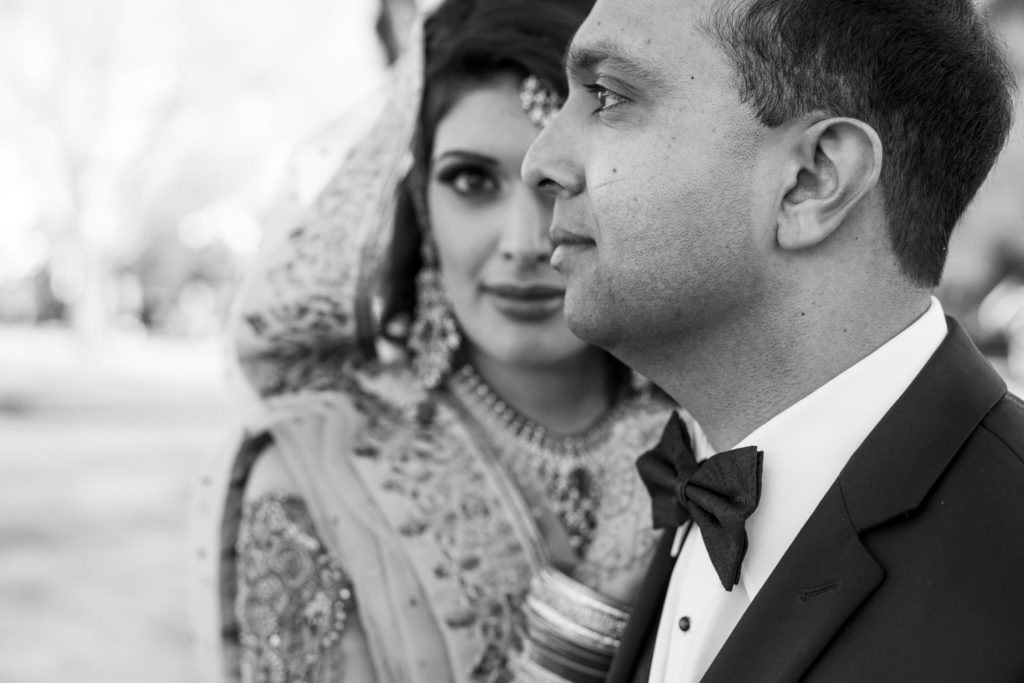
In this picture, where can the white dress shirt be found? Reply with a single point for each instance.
(805, 447)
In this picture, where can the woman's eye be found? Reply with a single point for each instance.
(470, 182)
(605, 97)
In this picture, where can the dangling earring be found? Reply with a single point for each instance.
(434, 337)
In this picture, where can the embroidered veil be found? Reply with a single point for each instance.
(310, 302)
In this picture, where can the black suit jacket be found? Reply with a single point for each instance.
(912, 566)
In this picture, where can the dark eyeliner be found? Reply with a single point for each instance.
(450, 174)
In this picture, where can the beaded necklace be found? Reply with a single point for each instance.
(566, 468)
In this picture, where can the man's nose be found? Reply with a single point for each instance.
(549, 166)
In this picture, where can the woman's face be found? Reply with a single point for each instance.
(491, 231)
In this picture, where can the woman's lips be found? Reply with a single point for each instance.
(527, 303)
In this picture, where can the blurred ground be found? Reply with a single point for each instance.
(98, 452)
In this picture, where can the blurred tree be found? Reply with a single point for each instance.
(68, 72)
(125, 115)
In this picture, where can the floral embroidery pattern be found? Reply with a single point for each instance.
(293, 600)
(435, 489)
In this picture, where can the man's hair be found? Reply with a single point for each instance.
(927, 75)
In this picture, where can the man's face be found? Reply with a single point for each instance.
(659, 214)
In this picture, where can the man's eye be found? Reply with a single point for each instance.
(605, 97)
(470, 182)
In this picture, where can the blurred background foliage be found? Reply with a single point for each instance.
(983, 282)
(145, 142)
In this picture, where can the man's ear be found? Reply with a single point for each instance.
(835, 163)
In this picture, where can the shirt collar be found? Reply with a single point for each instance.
(806, 446)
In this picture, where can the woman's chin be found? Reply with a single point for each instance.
(531, 348)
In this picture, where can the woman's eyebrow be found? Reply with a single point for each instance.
(466, 155)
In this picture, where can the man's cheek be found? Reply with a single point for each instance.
(612, 193)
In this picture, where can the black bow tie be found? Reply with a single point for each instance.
(718, 494)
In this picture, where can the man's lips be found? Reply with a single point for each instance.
(562, 237)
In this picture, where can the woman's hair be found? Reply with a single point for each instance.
(467, 43)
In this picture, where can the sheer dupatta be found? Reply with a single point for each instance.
(307, 308)
(411, 601)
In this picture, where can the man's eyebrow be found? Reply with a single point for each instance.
(611, 55)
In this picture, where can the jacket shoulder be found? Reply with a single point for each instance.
(1005, 422)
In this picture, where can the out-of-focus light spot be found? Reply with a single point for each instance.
(243, 235)
(227, 221)
(195, 232)
(23, 256)
(24, 247)
(68, 274)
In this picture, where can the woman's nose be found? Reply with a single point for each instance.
(525, 238)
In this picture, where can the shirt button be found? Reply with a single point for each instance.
(684, 623)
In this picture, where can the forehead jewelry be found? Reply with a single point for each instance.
(539, 101)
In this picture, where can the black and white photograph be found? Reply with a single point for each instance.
(511, 341)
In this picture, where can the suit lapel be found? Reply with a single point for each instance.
(827, 572)
(824, 576)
